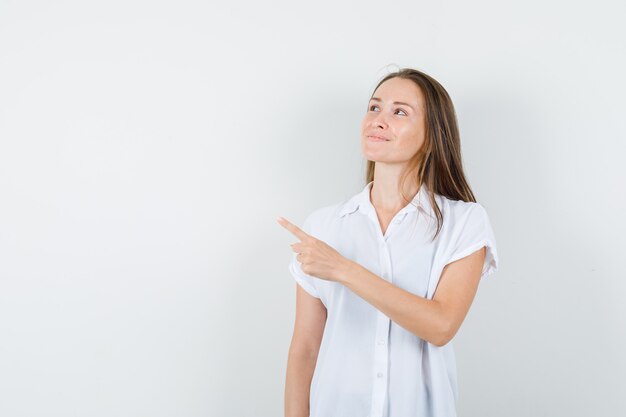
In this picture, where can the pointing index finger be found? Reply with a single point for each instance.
(299, 233)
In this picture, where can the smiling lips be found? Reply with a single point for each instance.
(377, 138)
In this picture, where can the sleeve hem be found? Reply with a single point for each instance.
(302, 282)
(490, 264)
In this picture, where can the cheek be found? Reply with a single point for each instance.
(412, 139)
(364, 123)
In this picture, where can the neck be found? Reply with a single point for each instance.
(385, 194)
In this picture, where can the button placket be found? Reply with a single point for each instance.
(381, 366)
(381, 350)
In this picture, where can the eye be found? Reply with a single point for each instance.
(371, 107)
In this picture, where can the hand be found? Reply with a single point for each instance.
(317, 258)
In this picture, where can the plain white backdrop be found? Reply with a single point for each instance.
(147, 147)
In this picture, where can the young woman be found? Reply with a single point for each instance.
(385, 281)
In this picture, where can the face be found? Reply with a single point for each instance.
(393, 128)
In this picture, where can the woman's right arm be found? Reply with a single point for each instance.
(305, 344)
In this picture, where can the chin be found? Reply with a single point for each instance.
(372, 154)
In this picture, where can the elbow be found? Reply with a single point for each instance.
(442, 341)
(443, 329)
(444, 335)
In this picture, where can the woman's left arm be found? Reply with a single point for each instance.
(436, 320)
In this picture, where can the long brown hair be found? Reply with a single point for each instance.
(438, 163)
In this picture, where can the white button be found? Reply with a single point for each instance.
(380, 375)
(381, 342)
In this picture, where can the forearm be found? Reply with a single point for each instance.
(300, 369)
(422, 317)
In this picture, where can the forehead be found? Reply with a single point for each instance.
(400, 89)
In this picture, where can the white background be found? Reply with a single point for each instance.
(146, 149)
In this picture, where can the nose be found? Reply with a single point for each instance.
(380, 120)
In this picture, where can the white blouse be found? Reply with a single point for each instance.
(369, 366)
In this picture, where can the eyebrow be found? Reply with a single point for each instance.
(395, 102)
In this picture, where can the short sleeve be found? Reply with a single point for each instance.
(475, 233)
(307, 282)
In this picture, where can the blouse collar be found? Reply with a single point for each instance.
(362, 202)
